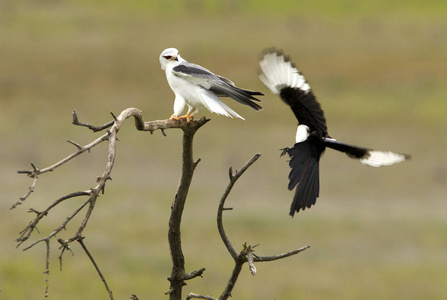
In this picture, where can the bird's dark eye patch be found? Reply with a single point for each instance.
(168, 57)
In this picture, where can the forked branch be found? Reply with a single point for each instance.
(178, 275)
(93, 193)
(247, 252)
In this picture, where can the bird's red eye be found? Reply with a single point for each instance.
(168, 57)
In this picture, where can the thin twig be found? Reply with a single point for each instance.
(81, 241)
(284, 255)
(47, 267)
(65, 245)
(197, 296)
(26, 233)
(233, 179)
(89, 126)
(32, 174)
(194, 274)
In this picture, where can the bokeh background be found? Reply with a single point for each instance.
(377, 67)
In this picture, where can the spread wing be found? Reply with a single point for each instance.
(284, 79)
(219, 85)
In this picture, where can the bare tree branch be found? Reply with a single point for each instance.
(139, 124)
(81, 241)
(233, 179)
(284, 255)
(194, 274)
(47, 267)
(247, 253)
(196, 296)
(178, 275)
(89, 126)
(32, 174)
(93, 193)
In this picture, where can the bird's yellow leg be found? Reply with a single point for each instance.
(174, 117)
(188, 117)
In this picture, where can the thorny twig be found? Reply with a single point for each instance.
(93, 193)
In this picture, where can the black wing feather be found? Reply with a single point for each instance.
(306, 109)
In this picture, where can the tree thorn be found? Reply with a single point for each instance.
(114, 117)
(80, 148)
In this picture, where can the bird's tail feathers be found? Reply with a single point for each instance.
(248, 92)
(215, 105)
(308, 189)
(304, 175)
(242, 96)
(369, 157)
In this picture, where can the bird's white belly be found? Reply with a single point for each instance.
(191, 93)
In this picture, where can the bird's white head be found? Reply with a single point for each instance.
(169, 55)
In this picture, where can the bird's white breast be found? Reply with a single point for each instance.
(190, 92)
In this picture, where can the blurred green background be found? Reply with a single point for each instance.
(377, 67)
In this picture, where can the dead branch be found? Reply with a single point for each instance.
(178, 276)
(117, 123)
(81, 242)
(93, 193)
(197, 296)
(233, 179)
(247, 253)
(89, 126)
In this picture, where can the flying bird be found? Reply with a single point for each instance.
(196, 87)
(282, 78)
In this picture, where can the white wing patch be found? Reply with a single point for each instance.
(382, 158)
(278, 73)
(302, 133)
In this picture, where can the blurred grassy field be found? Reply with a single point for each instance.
(378, 69)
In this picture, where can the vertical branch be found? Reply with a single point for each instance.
(178, 275)
(47, 267)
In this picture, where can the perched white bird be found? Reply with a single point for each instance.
(196, 87)
(312, 138)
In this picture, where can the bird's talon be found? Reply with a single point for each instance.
(284, 151)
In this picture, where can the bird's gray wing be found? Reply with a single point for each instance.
(219, 85)
(197, 75)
